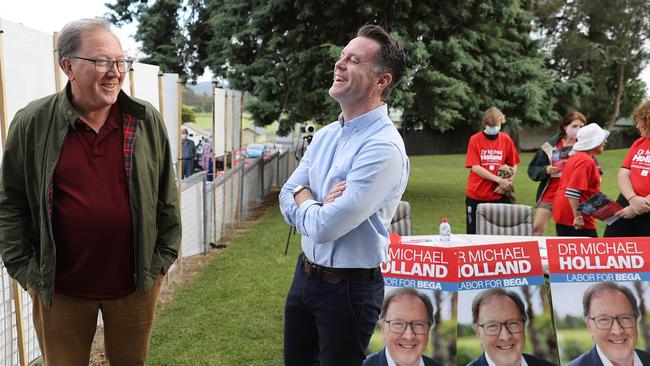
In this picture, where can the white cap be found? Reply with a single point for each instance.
(589, 137)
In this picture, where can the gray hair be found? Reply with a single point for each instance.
(611, 286)
(70, 36)
(407, 291)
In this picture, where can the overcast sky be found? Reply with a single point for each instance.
(50, 15)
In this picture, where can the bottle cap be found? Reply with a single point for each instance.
(444, 220)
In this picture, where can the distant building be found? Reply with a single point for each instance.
(254, 134)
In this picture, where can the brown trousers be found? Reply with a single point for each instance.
(65, 331)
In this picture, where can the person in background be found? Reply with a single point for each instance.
(634, 182)
(341, 198)
(206, 159)
(188, 153)
(405, 320)
(546, 167)
(611, 315)
(580, 180)
(487, 151)
(89, 216)
(499, 318)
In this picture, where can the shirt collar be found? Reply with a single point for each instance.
(491, 363)
(607, 362)
(366, 118)
(392, 363)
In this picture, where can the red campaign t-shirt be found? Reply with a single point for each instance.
(581, 173)
(638, 161)
(553, 183)
(490, 154)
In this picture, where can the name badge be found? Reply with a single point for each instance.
(644, 173)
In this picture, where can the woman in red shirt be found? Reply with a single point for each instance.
(546, 167)
(634, 182)
(580, 180)
(487, 151)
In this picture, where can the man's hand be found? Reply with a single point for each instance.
(626, 213)
(638, 206)
(335, 192)
(578, 222)
(303, 196)
(552, 169)
(504, 185)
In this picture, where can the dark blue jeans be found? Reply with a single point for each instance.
(329, 325)
(188, 167)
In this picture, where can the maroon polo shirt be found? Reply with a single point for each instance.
(91, 218)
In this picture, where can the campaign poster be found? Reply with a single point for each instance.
(600, 292)
(504, 311)
(431, 270)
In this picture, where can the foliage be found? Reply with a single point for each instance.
(171, 31)
(187, 114)
(570, 322)
(464, 56)
(199, 102)
(600, 41)
(472, 55)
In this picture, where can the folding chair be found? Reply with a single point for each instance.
(401, 221)
(504, 219)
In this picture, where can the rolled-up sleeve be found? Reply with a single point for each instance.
(288, 206)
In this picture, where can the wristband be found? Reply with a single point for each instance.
(632, 196)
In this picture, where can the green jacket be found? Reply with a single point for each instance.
(31, 154)
(537, 167)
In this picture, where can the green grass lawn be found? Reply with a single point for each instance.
(204, 120)
(232, 312)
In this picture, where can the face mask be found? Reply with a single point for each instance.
(571, 131)
(492, 130)
(185, 136)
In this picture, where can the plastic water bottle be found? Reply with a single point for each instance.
(445, 230)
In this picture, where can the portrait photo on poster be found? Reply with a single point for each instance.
(421, 320)
(597, 320)
(503, 325)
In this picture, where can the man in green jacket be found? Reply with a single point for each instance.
(89, 217)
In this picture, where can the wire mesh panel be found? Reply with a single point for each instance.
(6, 337)
(192, 216)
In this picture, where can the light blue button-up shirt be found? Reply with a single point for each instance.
(351, 232)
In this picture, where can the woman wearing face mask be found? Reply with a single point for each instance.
(488, 150)
(634, 182)
(580, 180)
(546, 167)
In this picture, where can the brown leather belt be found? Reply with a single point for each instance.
(336, 275)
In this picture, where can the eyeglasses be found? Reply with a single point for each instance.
(513, 326)
(103, 65)
(399, 326)
(606, 322)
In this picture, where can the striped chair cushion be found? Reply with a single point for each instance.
(504, 219)
(401, 222)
